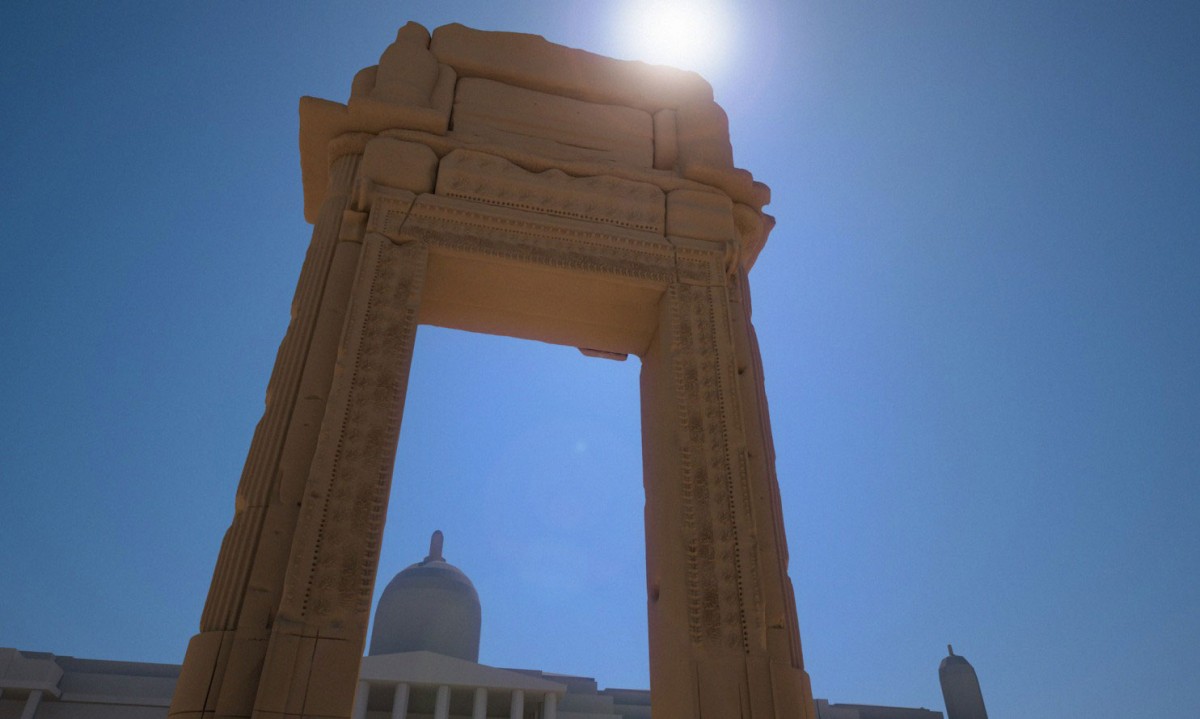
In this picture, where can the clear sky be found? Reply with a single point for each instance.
(978, 316)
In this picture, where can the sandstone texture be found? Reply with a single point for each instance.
(499, 183)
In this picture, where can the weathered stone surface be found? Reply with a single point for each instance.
(533, 62)
(666, 140)
(498, 183)
(688, 132)
(247, 580)
(486, 178)
(701, 215)
(558, 280)
(407, 71)
(403, 165)
(552, 125)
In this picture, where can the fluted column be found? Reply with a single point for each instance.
(220, 670)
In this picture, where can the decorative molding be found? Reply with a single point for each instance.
(722, 575)
(528, 237)
(698, 262)
(333, 562)
(389, 209)
(471, 175)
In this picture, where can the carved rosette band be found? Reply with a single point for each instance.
(710, 474)
(341, 523)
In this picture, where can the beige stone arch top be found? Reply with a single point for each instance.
(541, 106)
(498, 183)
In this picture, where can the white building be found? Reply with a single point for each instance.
(422, 664)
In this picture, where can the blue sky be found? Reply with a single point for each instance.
(978, 316)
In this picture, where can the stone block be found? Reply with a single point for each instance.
(701, 262)
(752, 230)
(700, 215)
(702, 129)
(404, 165)
(364, 81)
(486, 111)
(289, 661)
(240, 685)
(407, 70)
(331, 691)
(792, 689)
(389, 209)
(532, 61)
(409, 88)
(480, 177)
(705, 155)
(200, 679)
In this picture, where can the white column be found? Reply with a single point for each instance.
(479, 711)
(441, 708)
(400, 702)
(360, 701)
(550, 707)
(518, 704)
(31, 704)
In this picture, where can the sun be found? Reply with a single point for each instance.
(688, 34)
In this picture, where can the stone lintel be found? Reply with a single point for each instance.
(542, 106)
(531, 61)
(506, 271)
(555, 126)
(486, 178)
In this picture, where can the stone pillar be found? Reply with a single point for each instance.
(441, 706)
(360, 700)
(317, 639)
(550, 707)
(517, 709)
(479, 709)
(723, 638)
(400, 702)
(221, 667)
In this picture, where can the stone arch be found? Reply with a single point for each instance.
(498, 183)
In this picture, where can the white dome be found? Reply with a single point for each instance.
(430, 606)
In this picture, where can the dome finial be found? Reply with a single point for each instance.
(950, 648)
(435, 547)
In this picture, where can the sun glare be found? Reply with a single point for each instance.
(692, 35)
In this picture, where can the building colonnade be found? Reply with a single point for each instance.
(546, 704)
